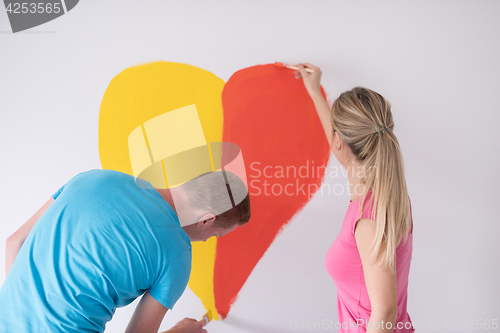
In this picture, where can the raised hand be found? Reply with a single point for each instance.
(311, 80)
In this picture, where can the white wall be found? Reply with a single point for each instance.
(437, 62)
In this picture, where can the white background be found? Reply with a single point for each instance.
(437, 62)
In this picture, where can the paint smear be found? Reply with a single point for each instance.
(141, 93)
(268, 113)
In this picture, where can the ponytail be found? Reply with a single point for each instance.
(364, 122)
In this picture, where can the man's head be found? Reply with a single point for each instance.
(218, 203)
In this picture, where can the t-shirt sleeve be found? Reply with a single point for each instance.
(172, 280)
(367, 213)
(55, 195)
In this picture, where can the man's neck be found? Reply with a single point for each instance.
(167, 196)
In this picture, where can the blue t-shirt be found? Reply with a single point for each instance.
(102, 243)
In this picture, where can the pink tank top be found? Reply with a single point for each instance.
(343, 263)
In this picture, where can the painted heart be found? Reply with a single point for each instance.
(267, 113)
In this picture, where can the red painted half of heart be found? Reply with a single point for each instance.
(268, 113)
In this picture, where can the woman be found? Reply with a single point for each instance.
(370, 258)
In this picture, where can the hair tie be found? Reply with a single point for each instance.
(381, 128)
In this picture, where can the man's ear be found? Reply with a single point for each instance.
(207, 219)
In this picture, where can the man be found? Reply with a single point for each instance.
(104, 239)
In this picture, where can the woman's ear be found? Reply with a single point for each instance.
(336, 142)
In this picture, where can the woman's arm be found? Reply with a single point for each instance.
(380, 281)
(313, 87)
(16, 240)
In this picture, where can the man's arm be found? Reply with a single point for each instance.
(16, 240)
(149, 314)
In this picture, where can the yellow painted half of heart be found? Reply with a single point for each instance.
(141, 93)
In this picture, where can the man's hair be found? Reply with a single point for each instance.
(207, 193)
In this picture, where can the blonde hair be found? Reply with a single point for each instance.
(355, 115)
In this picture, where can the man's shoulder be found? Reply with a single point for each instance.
(107, 173)
(104, 175)
(99, 173)
(180, 239)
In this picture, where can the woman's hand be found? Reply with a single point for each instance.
(311, 80)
